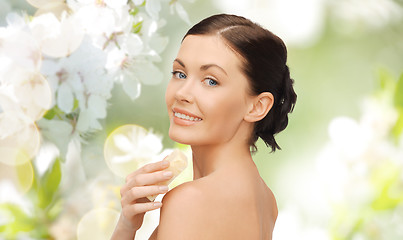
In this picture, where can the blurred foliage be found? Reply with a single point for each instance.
(398, 101)
(379, 217)
(45, 207)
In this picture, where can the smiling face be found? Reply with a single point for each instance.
(207, 97)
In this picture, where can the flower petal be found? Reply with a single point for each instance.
(182, 12)
(153, 7)
(147, 72)
(131, 86)
(65, 98)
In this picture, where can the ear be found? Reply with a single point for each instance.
(260, 106)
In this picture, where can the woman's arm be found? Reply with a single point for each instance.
(123, 230)
(135, 204)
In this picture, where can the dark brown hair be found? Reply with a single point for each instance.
(264, 64)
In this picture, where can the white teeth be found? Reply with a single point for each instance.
(186, 117)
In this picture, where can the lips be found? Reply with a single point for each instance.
(185, 115)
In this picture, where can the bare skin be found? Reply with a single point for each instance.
(230, 203)
(227, 198)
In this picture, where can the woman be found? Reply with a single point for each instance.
(230, 85)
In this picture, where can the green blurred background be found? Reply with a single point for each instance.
(339, 51)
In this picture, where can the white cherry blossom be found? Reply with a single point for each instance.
(40, 3)
(56, 7)
(29, 93)
(177, 7)
(97, 20)
(19, 140)
(58, 132)
(20, 47)
(57, 38)
(76, 74)
(57, 70)
(116, 4)
(153, 7)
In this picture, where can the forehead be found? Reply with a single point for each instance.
(209, 49)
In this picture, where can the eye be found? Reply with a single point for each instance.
(179, 75)
(210, 82)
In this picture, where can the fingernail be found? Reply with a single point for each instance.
(167, 174)
(165, 163)
(163, 188)
(157, 204)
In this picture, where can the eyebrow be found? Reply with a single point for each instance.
(203, 67)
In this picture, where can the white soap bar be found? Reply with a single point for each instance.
(177, 163)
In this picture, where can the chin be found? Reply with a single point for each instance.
(179, 138)
(193, 139)
(185, 137)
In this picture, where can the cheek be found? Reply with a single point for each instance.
(227, 113)
(169, 95)
(230, 106)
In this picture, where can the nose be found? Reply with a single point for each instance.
(185, 92)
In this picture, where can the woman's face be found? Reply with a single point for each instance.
(207, 95)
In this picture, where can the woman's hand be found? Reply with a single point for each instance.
(139, 185)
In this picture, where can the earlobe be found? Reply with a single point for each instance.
(260, 107)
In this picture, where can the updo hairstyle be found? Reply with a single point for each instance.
(264, 65)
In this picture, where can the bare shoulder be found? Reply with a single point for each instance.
(269, 209)
(186, 194)
(197, 210)
(174, 219)
(182, 212)
(219, 208)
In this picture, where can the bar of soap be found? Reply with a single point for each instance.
(177, 163)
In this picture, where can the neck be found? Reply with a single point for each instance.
(209, 159)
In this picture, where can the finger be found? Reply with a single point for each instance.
(148, 179)
(152, 167)
(142, 192)
(139, 208)
(149, 168)
(155, 178)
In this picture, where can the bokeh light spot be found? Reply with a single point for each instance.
(97, 224)
(21, 176)
(19, 143)
(128, 147)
